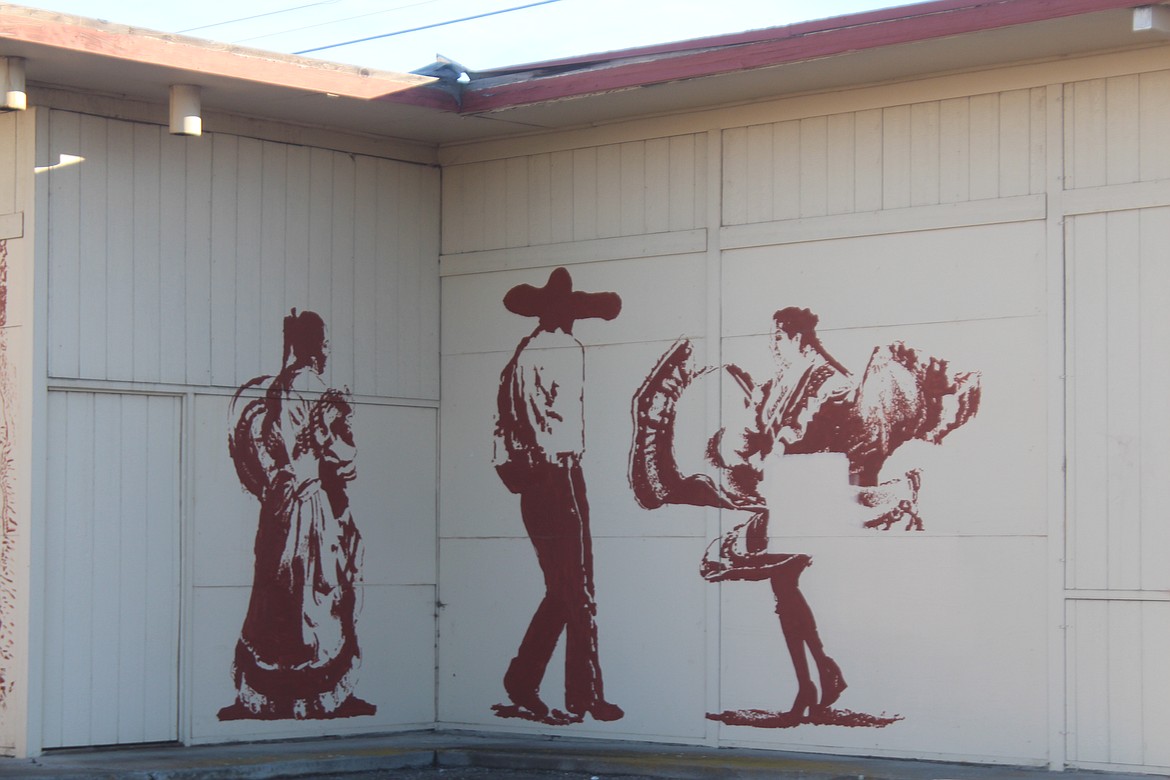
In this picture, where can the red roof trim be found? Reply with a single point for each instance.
(749, 36)
(777, 46)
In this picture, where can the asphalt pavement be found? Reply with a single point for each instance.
(455, 755)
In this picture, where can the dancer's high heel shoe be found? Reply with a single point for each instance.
(804, 703)
(832, 683)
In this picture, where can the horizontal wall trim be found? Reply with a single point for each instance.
(1022, 208)
(60, 384)
(1117, 595)
(679, 242)
(1117, 197)
(12, 225)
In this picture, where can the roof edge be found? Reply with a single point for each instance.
(644, 66)
(22, 25)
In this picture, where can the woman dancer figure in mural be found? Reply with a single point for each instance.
(293, 449)
(806, 378)
(540, 438)
(810, 404)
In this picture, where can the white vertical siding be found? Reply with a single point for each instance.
(625, 189)
(925, 142)
(985, 147)
(111, 590)
(173, 237)
(196, 261)
(1119, 367)
(245, 342)
(341, 269)
(1119, 683)
(188, 253)
(119, 288)
(65, 243)
(173, 261)
(949, 151)
(1115, 130)
(416, 285)
(8, 164)
(896, 157)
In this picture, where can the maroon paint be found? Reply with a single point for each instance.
(930, 18)
(293, 449)
(540, 441)
(828, 716)
(3, 283)
(811, 404)
(8, 523)
(766, 48)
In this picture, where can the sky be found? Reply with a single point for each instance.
(546, 29)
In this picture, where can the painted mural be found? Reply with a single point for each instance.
(810, 404)
(292, 444)
(540, 439)
(7, 490)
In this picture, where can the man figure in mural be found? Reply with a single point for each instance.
(811, 404)
(540, 438)
(293, 449)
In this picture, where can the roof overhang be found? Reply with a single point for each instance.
(899, 43)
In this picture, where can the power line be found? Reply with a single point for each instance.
(257, 16)
(335, 21)
(427, 27)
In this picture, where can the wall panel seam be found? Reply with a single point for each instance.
(678, 242)
(992, 211)
(81, 385)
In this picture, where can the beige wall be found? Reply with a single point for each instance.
(1117, 350)
(19, 385)
(949, 214)
(171, 264)
(1010, 222)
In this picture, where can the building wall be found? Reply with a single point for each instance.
(18, 405)
(1010, 224)
(960, 216)
(607, 191)
(1117, 199)
(172, 264)
(955, 150)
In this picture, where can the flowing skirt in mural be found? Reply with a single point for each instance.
(298, 655)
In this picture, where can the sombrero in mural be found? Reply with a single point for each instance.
(557, 304)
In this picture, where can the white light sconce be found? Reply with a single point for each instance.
(15, 98)
(1151, 18)
(185, 110)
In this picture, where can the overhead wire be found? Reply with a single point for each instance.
(335, 21)
(426, 27)
(259, 16)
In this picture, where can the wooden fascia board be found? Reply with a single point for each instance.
(200, 58)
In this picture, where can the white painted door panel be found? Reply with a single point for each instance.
(112, 584)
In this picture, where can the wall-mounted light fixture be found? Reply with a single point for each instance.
(15, 98)
(185, 110)
(1151, 18)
